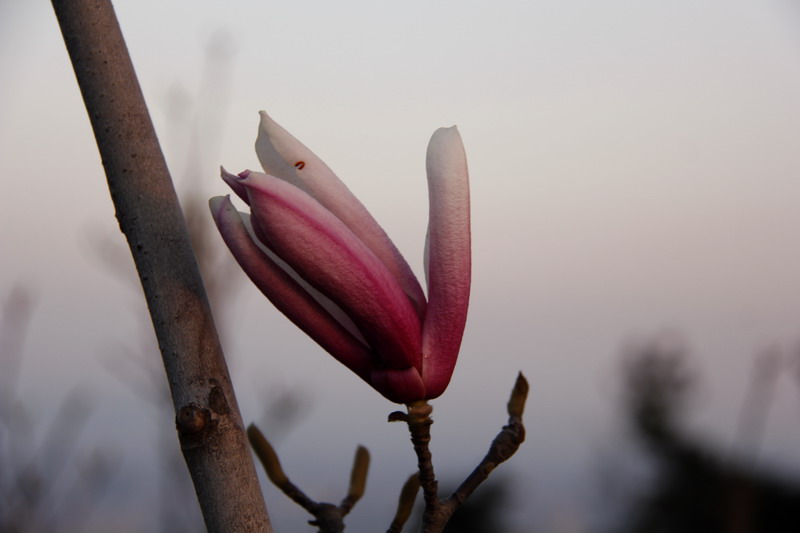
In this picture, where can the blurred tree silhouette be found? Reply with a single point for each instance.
(483, 512)
(696, 488)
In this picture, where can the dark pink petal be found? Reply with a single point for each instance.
(325, 253)
(234, 182)
(283, 156)
(334, 310)
(286, 294)
(401, 386)
(448, 259)
(263, 244)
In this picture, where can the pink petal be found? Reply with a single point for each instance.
(448, 259)
(285, 157)
(286, 294)
(235, 183)
(324, 252)
(334, 310)
(401, 386)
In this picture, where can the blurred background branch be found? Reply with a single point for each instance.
(46, 482)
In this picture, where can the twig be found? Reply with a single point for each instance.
(438, 512)
(419, 425)
(405, 504)
(358, 480)
(209, 424)
(328, 518)
(505, 444)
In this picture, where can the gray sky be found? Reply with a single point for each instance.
(634, 170)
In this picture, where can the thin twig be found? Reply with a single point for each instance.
(405, 504)
(272, 465)
(328, 518)
(210, 427)
(505, 444)
(438, 512)
(419, 425)
(358, 480)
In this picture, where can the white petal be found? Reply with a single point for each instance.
(448, 258)
(283, 156)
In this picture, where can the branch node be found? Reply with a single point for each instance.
(218, 402)
(328, 518)
(191, 419)
(193, 425)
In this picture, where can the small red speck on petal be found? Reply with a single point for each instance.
(299, 165)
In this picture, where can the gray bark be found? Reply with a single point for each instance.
(209, 425)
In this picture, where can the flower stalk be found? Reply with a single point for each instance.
(438, 511)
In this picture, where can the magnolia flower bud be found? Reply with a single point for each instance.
(315, 251)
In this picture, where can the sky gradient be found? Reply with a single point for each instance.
(634, 172)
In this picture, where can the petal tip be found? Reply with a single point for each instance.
(265, 121)
(446, 132)
(218, 203)
(225, 175)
